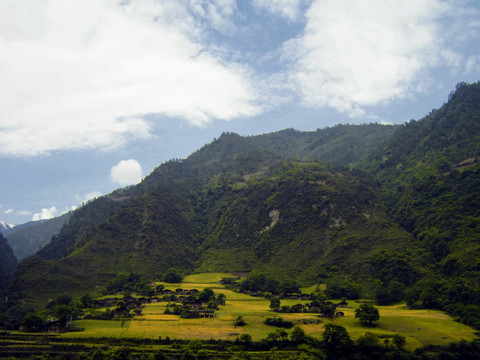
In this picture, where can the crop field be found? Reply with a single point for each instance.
(420, 327)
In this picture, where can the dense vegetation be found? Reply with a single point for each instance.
(386, 212)
(8, 262)
(431, 175)
(335, 344)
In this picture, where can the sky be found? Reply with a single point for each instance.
(94, 94)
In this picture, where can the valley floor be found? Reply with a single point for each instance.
(420, 327)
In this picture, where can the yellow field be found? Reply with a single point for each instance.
(420, 327)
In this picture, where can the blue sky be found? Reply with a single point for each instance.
(95, 94)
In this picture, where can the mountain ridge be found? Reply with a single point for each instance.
(400, 212)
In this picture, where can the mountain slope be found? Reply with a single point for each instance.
(341, 145)
(225, 210)
(26, 239)
(8, 263)
(257, 203)
(297, 220)
(431, 171)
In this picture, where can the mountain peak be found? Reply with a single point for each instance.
(5, 226)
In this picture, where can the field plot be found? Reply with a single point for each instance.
(420, 327)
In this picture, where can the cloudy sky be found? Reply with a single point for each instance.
(95, 93)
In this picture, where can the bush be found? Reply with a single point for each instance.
(278, 322)
(239, 321)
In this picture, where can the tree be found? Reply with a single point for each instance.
(147, 291)
(221, 299)
(172, 276)
(367, 313)
(121, 305)
(298, 335)
(239, 321)
(245, 338)
(64, 312)
(64, 300)
(275, 304)
(33, 322)
(278, 334)
(399, 341)
(87, 301)
(327, 310)
(290, 287)
(206, 295)
(368, 340)
(336, 338)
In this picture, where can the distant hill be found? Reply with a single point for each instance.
(5, 227)
(27, 239)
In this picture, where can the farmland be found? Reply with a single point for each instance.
(420, 327)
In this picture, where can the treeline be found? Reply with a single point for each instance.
(335, 344)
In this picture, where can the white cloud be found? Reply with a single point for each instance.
(126, 172)
(355, 54)
(82, 74)
(218, 13)
(86, 197)
(46, 214)
(17, 212)
(288, 9)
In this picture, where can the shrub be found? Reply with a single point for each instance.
(278, 322)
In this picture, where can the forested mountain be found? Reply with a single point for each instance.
(387, 208)
(341, 145)
(27, 239)
(431, 174)
(8, 263)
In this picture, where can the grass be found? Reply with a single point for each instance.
(420, 327)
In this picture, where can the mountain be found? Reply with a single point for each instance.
(28, 238)
(229, 206)
(5, 227)
(341, 145)
(8, 263)
(381, 207)
(431, 172)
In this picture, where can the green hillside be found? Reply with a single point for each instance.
(341, 145)
(8, 263)
(302, 218)
(431, 174)
(392, 211)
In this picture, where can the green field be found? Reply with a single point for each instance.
(420, 327)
